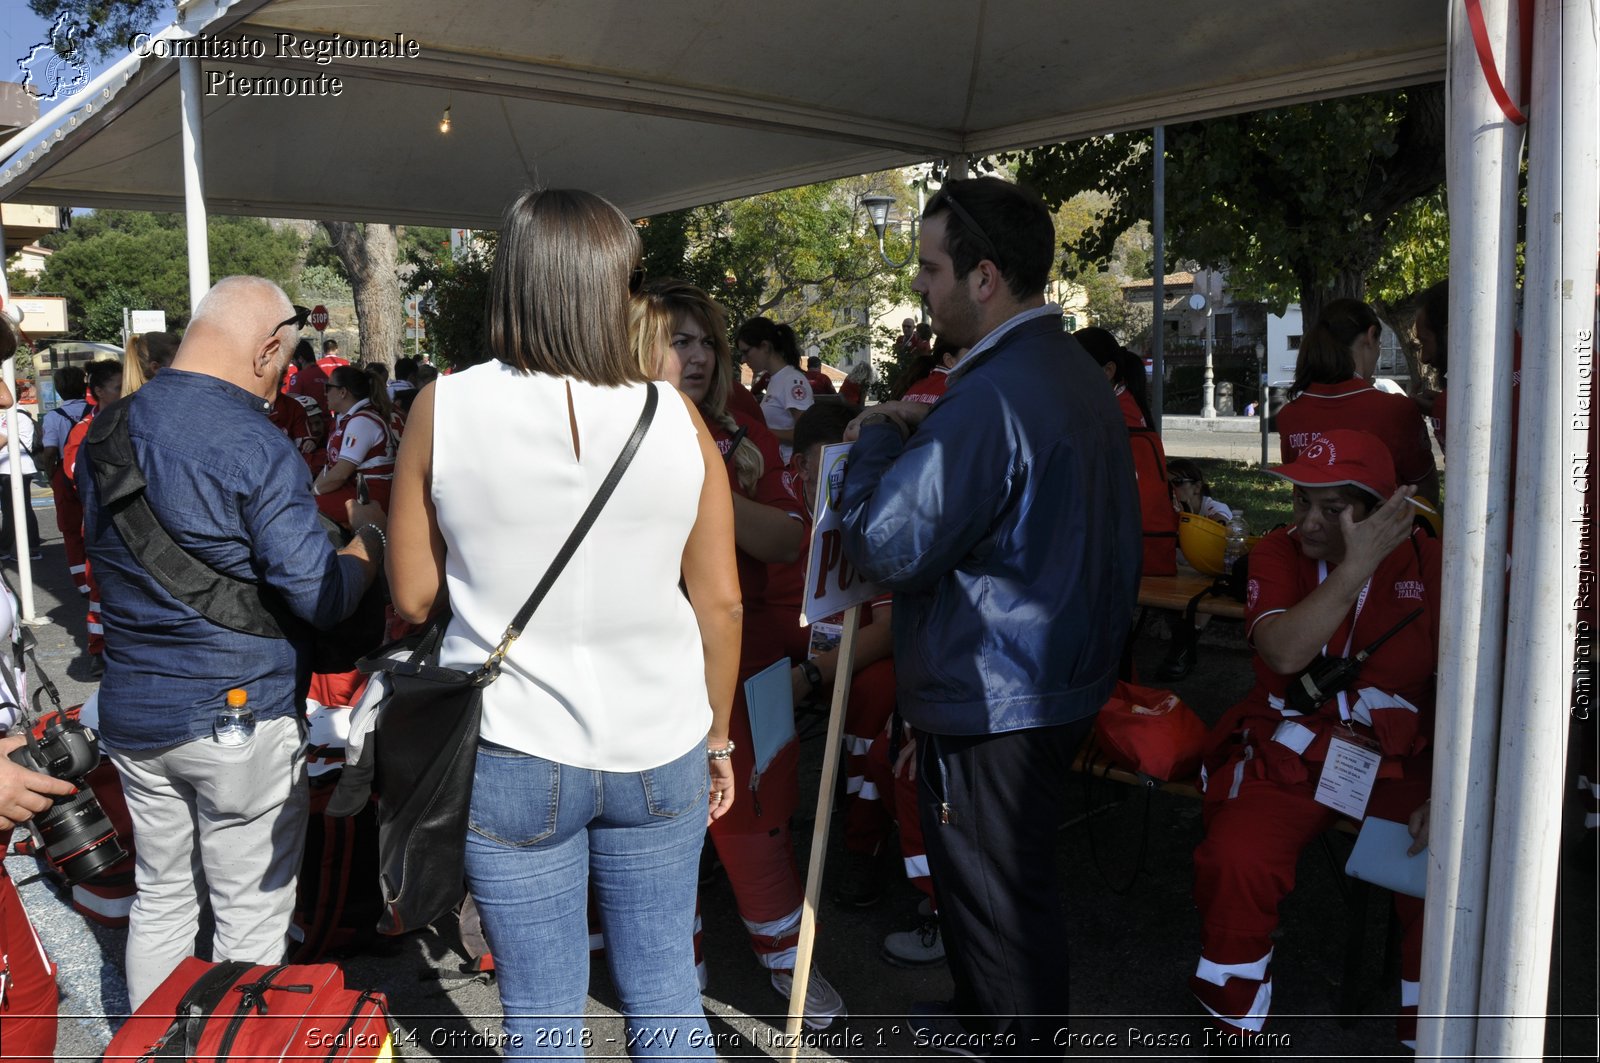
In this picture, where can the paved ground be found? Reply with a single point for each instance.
(1125, 859)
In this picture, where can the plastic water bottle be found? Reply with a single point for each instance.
(234, 723)
(1238, 536)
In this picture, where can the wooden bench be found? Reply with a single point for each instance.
(1175, 592)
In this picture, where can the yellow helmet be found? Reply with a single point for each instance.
(1204, 543)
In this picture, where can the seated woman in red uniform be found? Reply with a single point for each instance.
(361, 442)
(1348, 570)
(1333, 389)
(681, 336)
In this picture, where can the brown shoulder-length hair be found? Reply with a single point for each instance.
(558, 292)
(655, 313)
(1325, 356)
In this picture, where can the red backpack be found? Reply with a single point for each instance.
(1157, 518)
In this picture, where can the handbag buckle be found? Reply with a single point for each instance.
(491, 668)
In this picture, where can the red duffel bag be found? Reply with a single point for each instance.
(1152, 732)
(242, 1011)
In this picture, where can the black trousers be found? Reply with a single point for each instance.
(8, 542)
(991, 806)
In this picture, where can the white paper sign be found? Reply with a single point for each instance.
(142, 321)
(832, 583)
(1347, 777)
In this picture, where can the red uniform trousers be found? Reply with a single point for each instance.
(1245, 868)
(866, 822)
(897, 793)
(69, 518)
(753, 842)
(28, 996)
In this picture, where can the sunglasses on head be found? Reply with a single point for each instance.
(302, 314)
(1183, 483)
(946, 198)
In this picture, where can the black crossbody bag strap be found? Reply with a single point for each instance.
(239, 605)
(491, 668)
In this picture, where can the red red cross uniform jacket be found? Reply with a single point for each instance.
(753, 839)
(1356, 404)
(1261, 775)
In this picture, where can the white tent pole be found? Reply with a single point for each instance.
(194, 203)
(1483, 150)
(13, 454)
(1558, 330)
(19, 494)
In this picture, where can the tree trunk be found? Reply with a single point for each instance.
(370, 255)
(1346, 284)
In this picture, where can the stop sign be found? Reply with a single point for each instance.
(319, 317)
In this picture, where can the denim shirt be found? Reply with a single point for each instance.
(232, 490)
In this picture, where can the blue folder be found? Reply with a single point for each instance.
(1380, 858)
(769, 695)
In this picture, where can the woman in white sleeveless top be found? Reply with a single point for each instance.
(596, 740)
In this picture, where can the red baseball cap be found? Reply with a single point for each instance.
(1343, 456)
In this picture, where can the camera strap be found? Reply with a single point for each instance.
(239, 605)
(1350, 639)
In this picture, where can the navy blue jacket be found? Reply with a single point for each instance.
(1008, 528)
(234, 492)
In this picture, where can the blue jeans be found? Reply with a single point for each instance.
(541, 834)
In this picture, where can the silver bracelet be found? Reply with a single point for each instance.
(383, 540)
(720, 754)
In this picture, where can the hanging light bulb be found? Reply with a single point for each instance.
(444, 120)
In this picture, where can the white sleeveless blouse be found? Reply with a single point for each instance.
(609, 673)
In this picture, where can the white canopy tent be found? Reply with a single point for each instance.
(665, 105)
(679, 102)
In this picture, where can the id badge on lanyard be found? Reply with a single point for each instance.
(1350, 638)
(1351, 767)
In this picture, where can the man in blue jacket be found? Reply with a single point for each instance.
(1006, 520)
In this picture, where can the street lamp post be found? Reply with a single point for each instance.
(1208, 384)
(1262, 399)
(877, 206)
(878, 212)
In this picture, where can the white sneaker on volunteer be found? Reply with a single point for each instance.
(823, 1002)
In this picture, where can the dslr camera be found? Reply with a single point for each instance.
(73, 833)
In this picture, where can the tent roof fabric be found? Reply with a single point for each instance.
(673, 103)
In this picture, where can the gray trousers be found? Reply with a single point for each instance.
(224, 823)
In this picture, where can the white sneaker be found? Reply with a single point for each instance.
(823, 1002)
(922, 947)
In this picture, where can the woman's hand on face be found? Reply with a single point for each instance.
(721, 789)
(1366, 544)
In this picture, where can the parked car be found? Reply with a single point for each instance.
(59, 354)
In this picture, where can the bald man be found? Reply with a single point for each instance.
(216, 814)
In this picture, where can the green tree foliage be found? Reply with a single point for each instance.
(806, 256)
(102, 316)
(1298, 203)
(455, 293)
(1110, 309)
(111, 255)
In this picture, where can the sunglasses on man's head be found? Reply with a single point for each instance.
(302, 314)
(1183, 483)
(970, 224)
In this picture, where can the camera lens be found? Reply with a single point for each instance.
(77, 838)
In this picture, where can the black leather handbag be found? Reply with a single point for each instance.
(425, 742)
